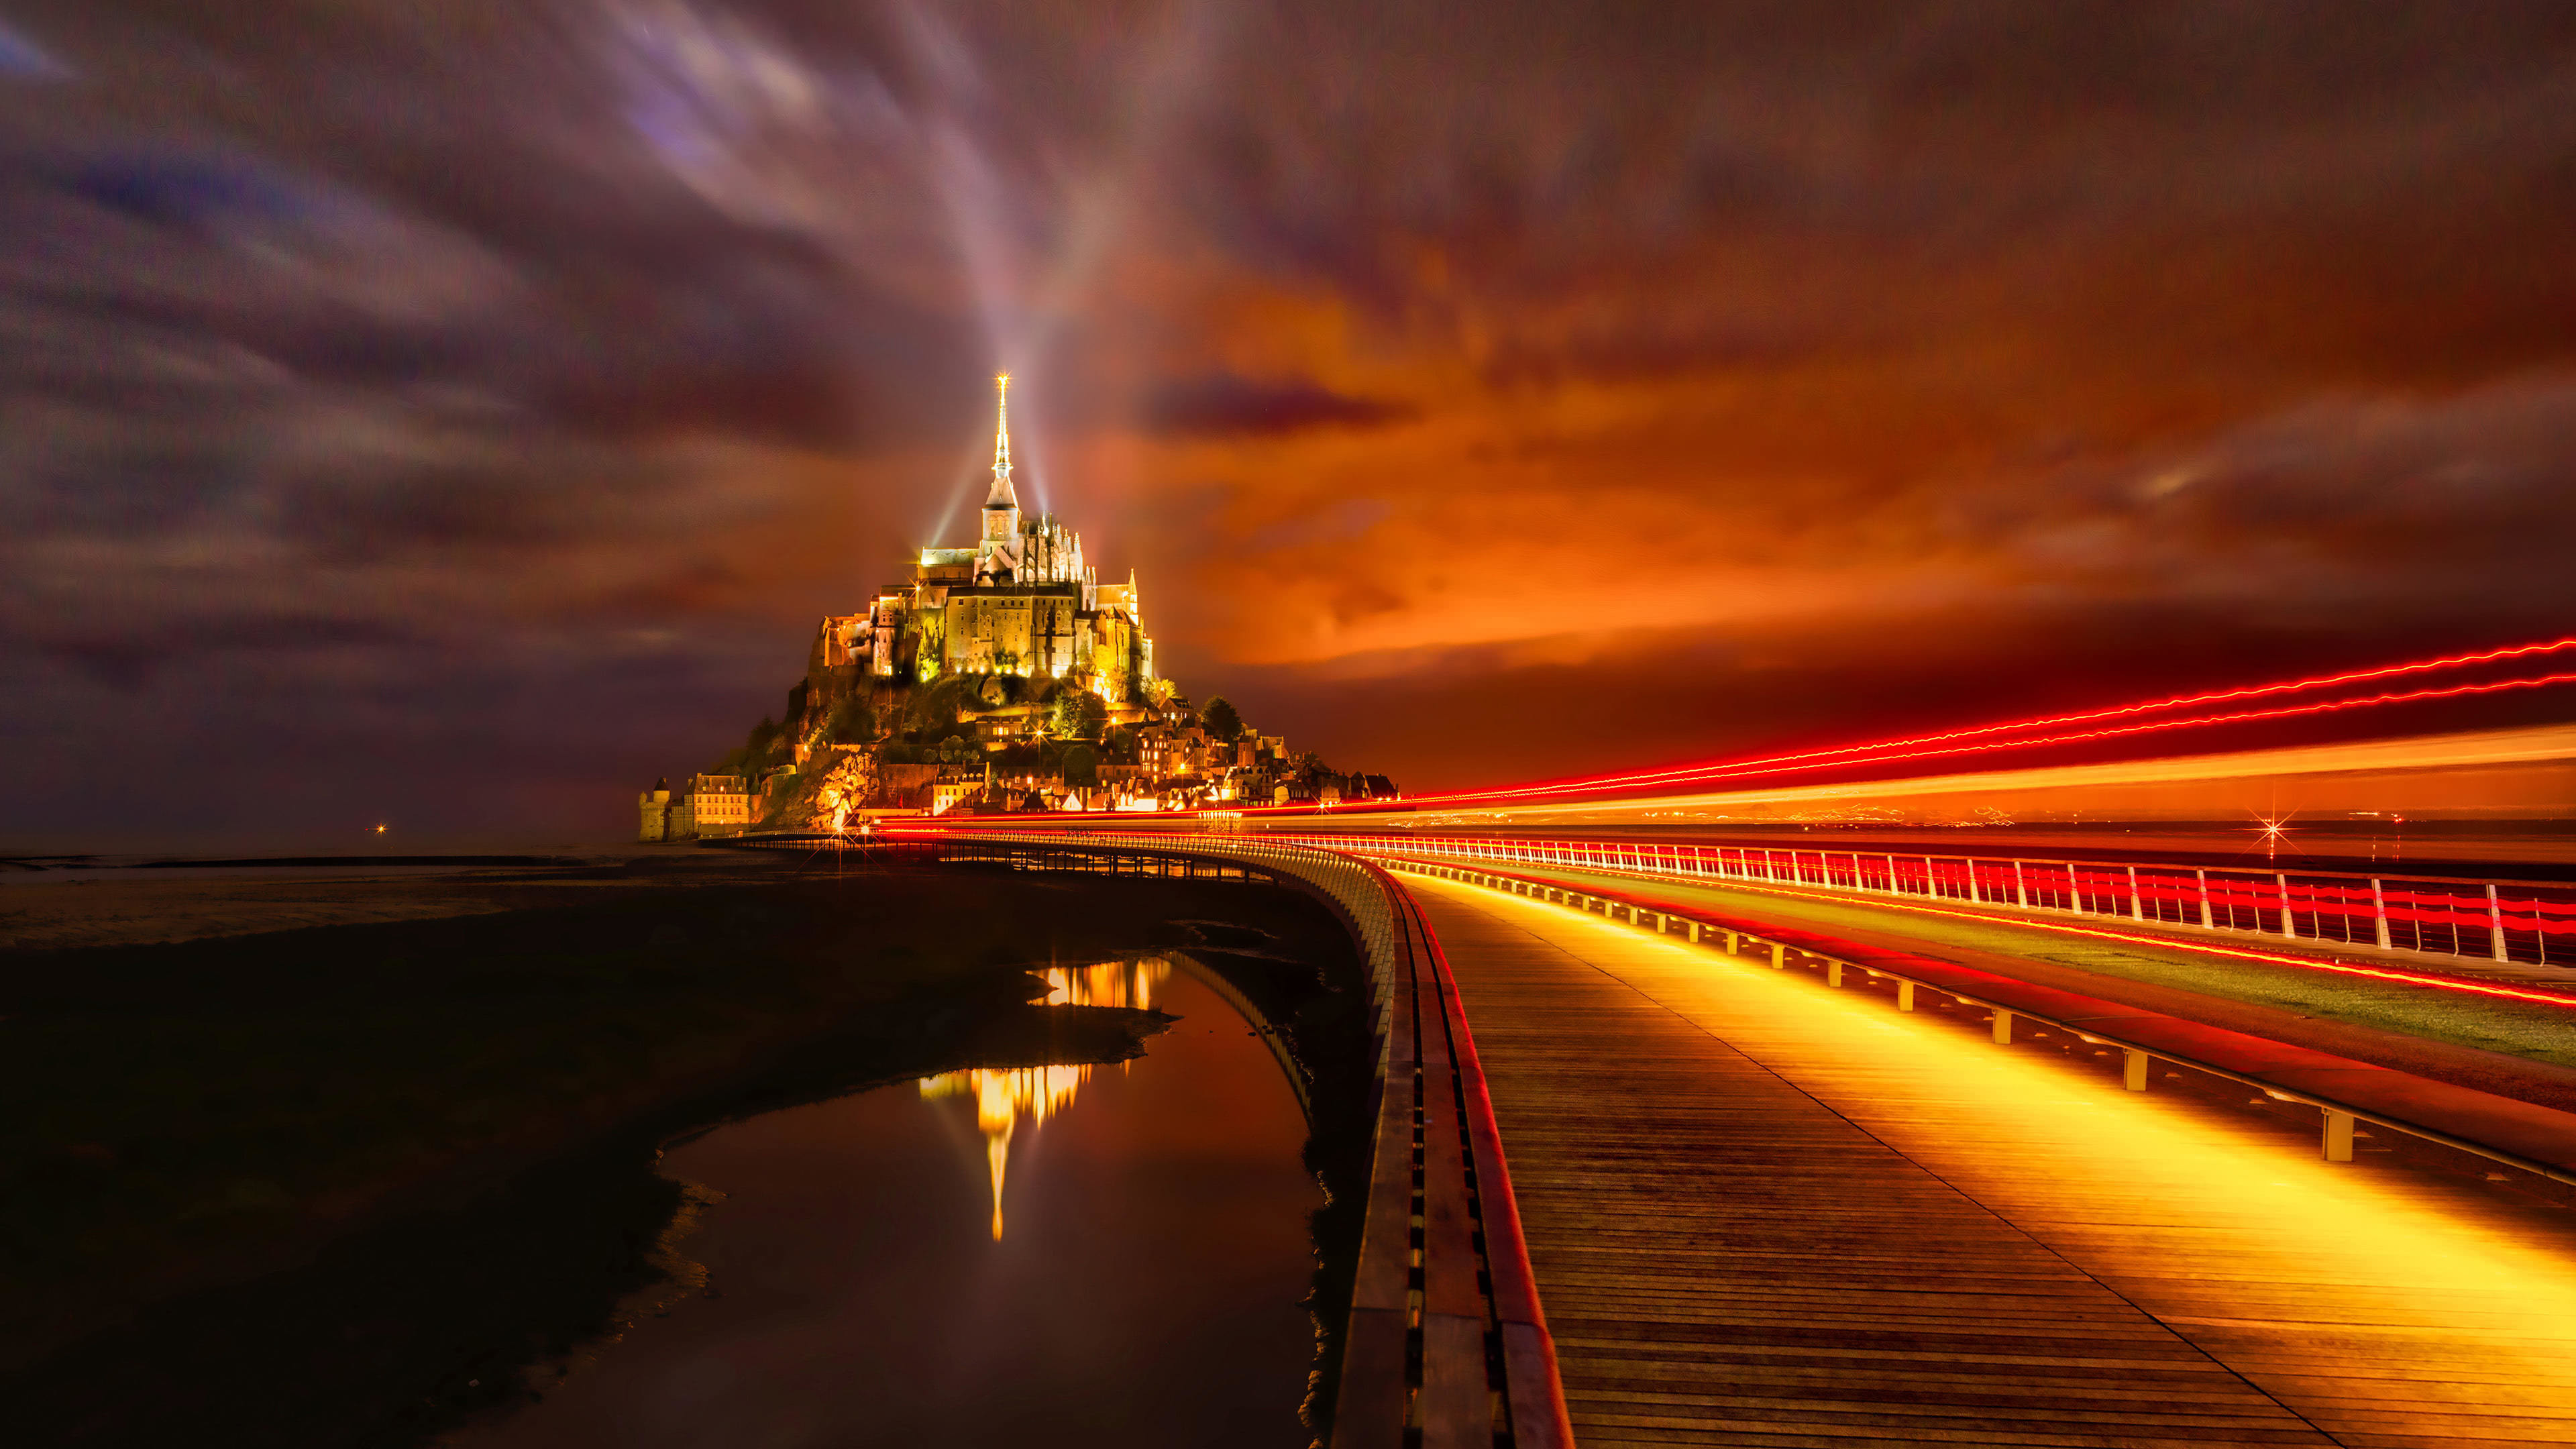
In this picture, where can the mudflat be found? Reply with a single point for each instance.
(330, 1159)
(142, 905)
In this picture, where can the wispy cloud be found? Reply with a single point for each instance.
(540, 343)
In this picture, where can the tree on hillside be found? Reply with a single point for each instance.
(753, 758)
(1079, 715)
(854, 722)
(934, 707)
(1081, 766)
(1221, 719)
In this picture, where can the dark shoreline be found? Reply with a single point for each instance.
(412, 1317)
(308, 861)
(405, 1328)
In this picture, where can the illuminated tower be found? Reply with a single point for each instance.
(1002, 505)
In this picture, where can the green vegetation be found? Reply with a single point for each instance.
(1221, 721)
(1081, 766)
(933, 708)
(764, 750)
(853, 722)
(1079, 714)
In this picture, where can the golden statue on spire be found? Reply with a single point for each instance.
(1002, 428)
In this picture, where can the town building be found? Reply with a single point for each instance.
(719, 805)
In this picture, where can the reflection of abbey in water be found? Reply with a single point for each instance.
(1004, 1095)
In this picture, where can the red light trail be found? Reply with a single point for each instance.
(1791, 764)
(1997, 736)
(2021, 734)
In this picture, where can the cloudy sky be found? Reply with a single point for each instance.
(461, 413)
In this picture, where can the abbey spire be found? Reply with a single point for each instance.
(1002, 496)
(999, 555)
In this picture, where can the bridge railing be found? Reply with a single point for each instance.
(2533, 1138)
(1446, 1346)
(2517, 921)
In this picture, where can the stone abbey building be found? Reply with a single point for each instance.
(1013, 631)
(1021, 601)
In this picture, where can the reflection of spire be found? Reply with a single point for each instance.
(1002, 496)
(1004, 1095)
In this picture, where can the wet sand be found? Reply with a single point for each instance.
(329, 1158)
(1146, 1289)
(123, 905)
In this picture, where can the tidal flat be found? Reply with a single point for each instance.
(342, 1180)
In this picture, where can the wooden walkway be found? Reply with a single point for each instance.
(1764, 1212)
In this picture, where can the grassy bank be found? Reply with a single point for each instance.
(334, 1185)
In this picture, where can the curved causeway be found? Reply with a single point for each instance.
(1763, 1209)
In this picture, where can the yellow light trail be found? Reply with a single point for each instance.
(2378, 1302)
(2132, 938)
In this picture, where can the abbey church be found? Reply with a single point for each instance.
(1019, 601)
(1001, 676)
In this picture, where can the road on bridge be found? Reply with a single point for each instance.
(1763, 1211)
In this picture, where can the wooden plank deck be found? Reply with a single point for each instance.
(1765, 1212)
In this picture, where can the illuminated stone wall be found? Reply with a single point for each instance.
(1024, 604)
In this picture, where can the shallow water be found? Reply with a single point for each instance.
(1144, 1289)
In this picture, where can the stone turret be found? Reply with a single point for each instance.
(654, 806)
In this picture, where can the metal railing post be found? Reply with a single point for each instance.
(2444, 901)
(2133, 1070)
(1905, 996)
(2003, 1027)
(2338, 1135)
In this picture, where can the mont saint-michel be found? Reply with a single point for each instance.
(1002, 676)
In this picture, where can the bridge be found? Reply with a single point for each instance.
(1791, 1140)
